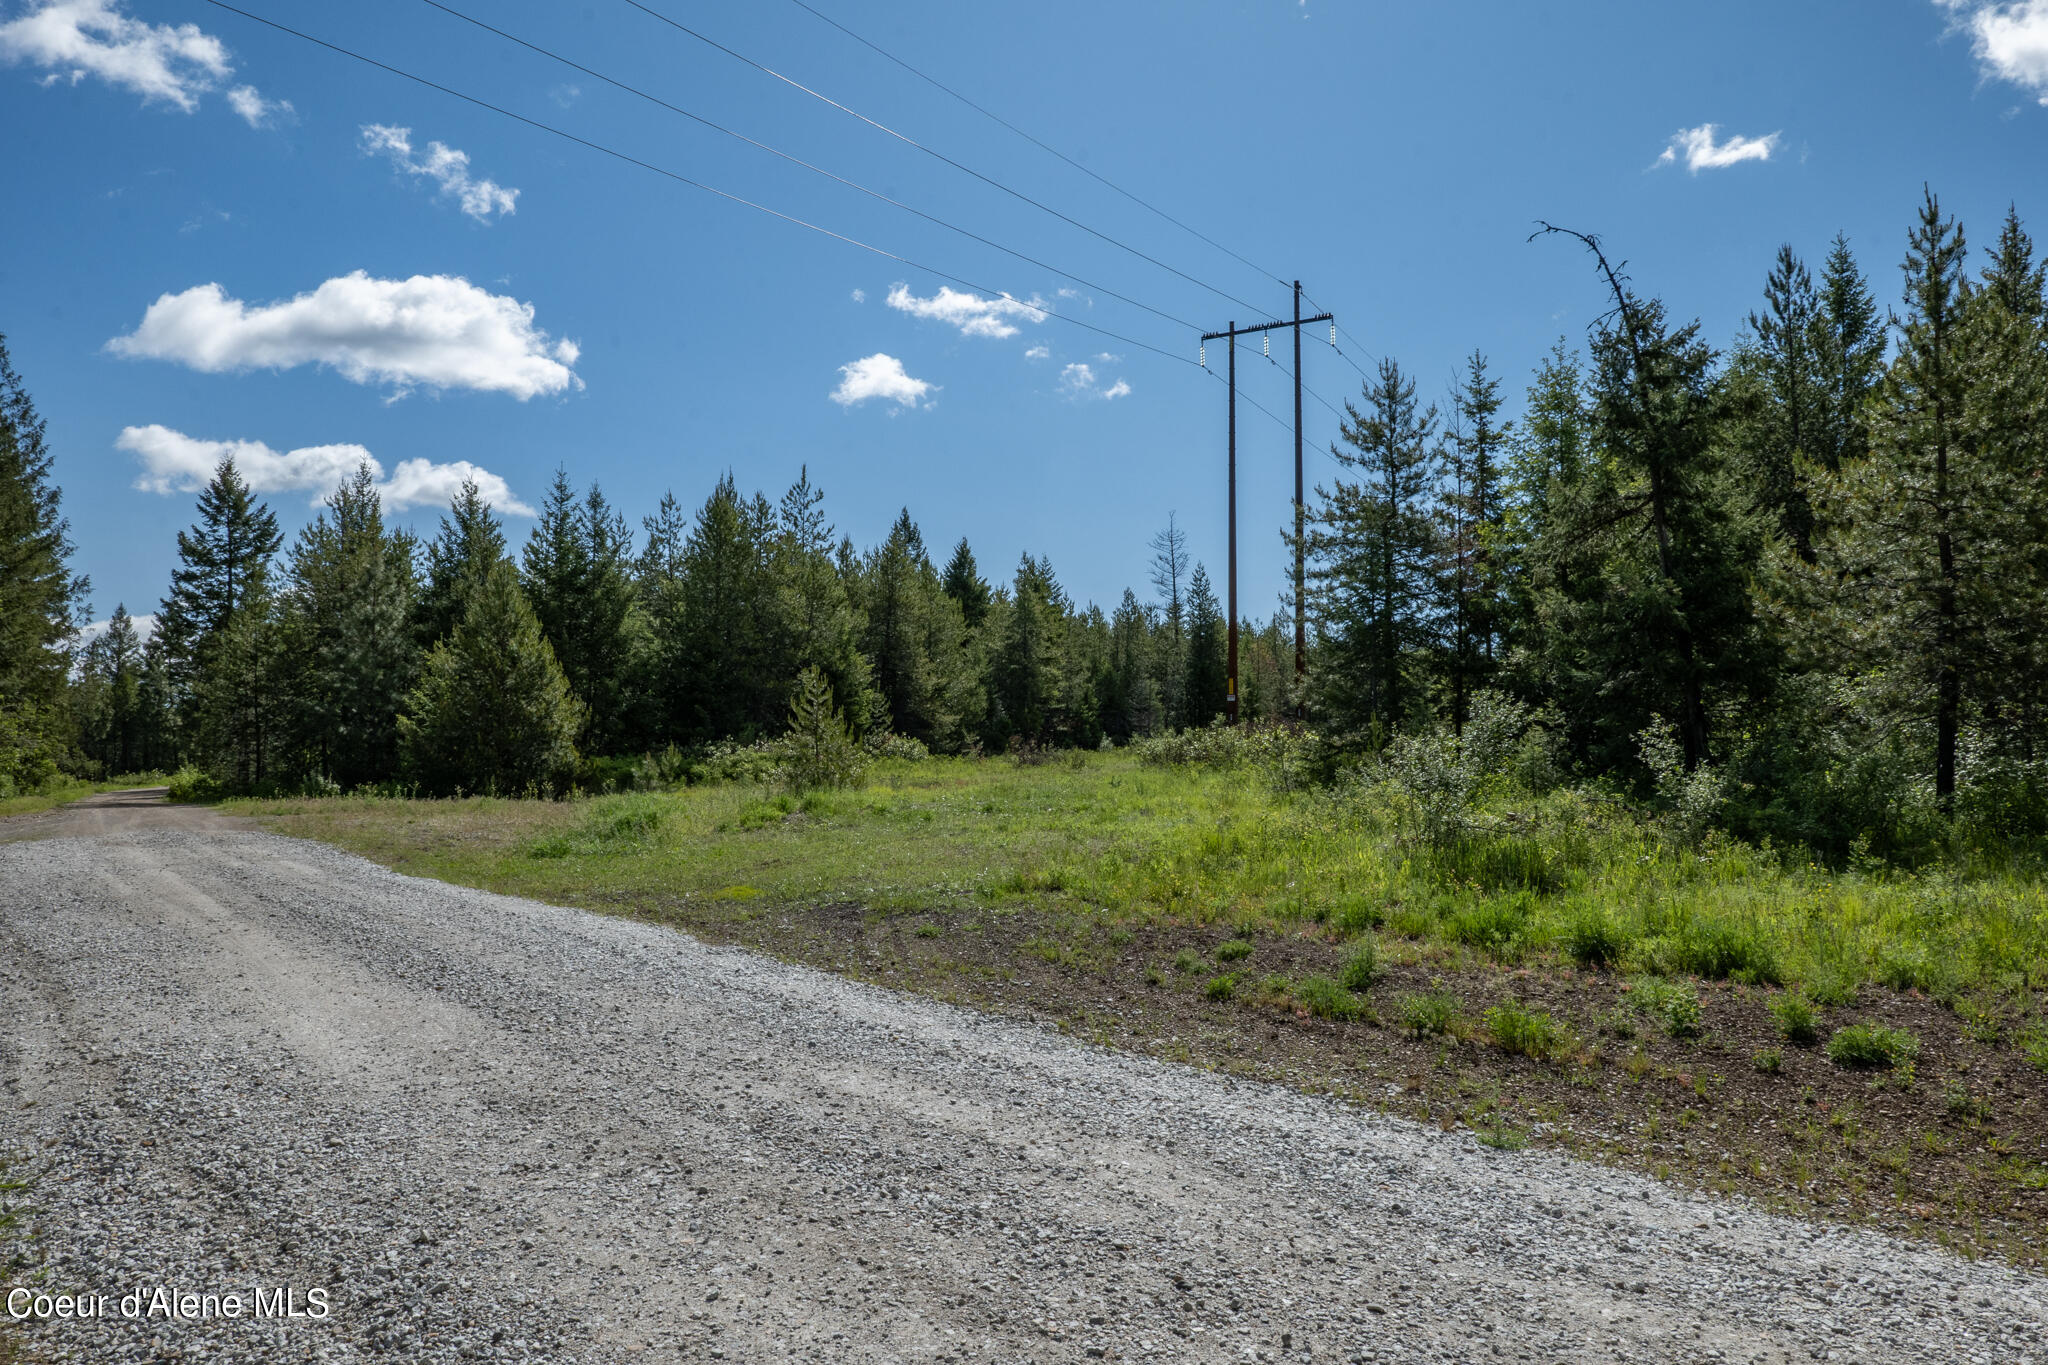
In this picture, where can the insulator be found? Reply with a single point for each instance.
(1269, 345)
(1204, 352)
(1333, 334)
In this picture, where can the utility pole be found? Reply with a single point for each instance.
(1231, 334)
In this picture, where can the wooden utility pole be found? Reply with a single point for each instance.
(1231, 334)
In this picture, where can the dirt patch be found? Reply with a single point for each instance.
(1951, 1148)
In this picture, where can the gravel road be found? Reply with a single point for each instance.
(490, 1129)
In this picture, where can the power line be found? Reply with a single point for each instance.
(680, 178)
(1041, 145)
(715, 126)
(938, 155)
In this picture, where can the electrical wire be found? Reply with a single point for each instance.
(680, 178)
(933, 152)
(799, 161)
(1036, 142)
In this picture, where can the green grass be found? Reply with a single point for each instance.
(1872, 1045)
(1524, 1032)
(1220, 852)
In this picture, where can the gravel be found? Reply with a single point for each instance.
(488, 1129)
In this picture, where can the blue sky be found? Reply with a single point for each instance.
(220, 233)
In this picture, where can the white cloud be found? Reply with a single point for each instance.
(1702, 153)
(565, 95)
(439, 331)
(974, 315)
(1079, 381)
(445, 166)
(1106, 358)
(1039, 352)
(170, 64)
(145, 626)
(878, 376)
(173, 462)
(2010, 40)
(860, 296)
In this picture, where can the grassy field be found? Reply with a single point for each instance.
(1559, 970)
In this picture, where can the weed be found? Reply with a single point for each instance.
(1872, 1045)
(1795, 1017)
(1429, 1014)
(1221, 987)
(1595, 938)
(1233, 950)
(1965, 1107)
(1524, 1032)
(1326, 999)
(1674, 1002)
(1769, 1060)
(1187, 962)
(1496, 925)
(2033, 1042)
(1120, 937)
(927, 930)
(1277, 987)
(1362, 964)
(1503, 1138)
(1153, 976)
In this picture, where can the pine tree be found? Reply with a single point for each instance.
(1909, 585)
(2014, 278)
(1848, 356)
(470, 541)
(1372, 547)
(965, 585)
(1782, 362)
(1207, 687)
(716, 675)
(1473, 510)
(219, 649)
(576, 571)
(1025, 682)
(817, 623)
(349, 644)
(39, 597)
(1170, 651)
(112, 722)
(492, 711)
(1129, 701)
(896, 603)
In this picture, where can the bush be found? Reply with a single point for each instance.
(1426, 1015)
(1188, 961)
(1872, 1045)
(190, 784)
(889, 744)
(1362, 965)
(1673, 1002)
(1769, 1060)
(1720, 949)
(1595, 938)
(1325, 999)
(1795, 1017)
(728, 760)
(1221, 987)
(1495, 925)
(819, 751)
(1233, 950)
(1524, 1032)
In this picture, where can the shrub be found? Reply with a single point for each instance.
(1795, 1017)
(1429, 1014)
(1719, 949)
(1221, 987)
(1692, 799)
(1524, 1032)
(2033, 1041)
(1233, 950)
(1362, 965)
(1674, 1002)
(190, 784)
(1496, 925)
(1769, 1060)
(1277, 988)
(1187, 961)
(1325, 999)
(1872, 1045)
(889, 744)
(1595, 938)
(819, 750)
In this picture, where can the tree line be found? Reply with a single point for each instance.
(1818, 558)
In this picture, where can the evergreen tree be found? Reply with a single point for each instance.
(39, 597)
(112, 720)
(1128, 700)
(1025, 682)
(896, 604)
(1372, 547)
(1208, 666)
(1170, 651)
(964, 584)
(219, 649)
(1849, 356)
(576, 571)
(1782, 363)
(349, 644)
(2014, 277)
(470, 541)
(714, 649)
(1473, 510)
(819, 626)
(492, 711)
